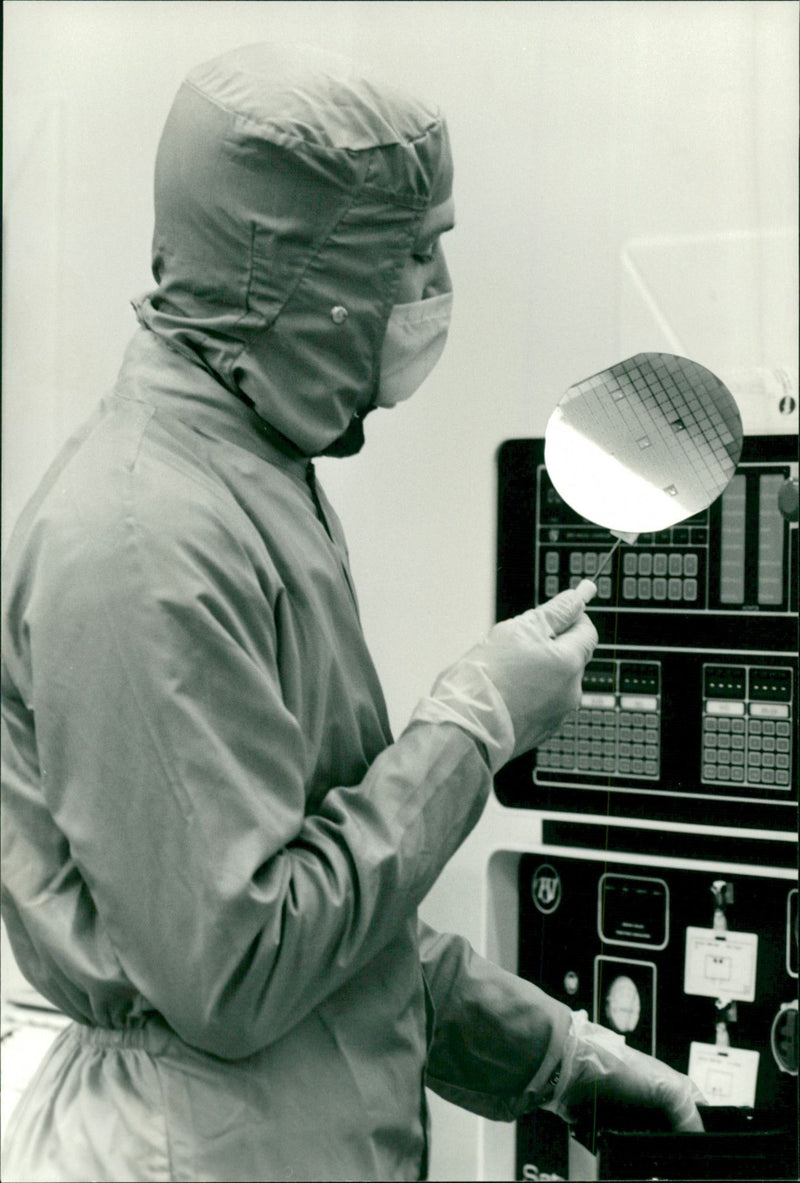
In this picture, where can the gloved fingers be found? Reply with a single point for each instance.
(581, 636)
(675, 1093)
(563, 610)
(692, 1124)
(587, 590)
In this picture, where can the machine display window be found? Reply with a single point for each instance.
(633, 910)
(624, 1000)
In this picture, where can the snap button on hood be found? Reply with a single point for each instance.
(288, 193)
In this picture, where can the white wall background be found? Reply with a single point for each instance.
(576, 127)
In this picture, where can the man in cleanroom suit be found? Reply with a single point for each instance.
(213, 850)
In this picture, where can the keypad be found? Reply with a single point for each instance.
(746, 750)
(646, 577)
(606, 742)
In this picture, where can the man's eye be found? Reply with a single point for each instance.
(418, 257)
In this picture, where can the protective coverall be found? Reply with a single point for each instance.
(213, 851)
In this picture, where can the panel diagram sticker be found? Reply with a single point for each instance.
(721, 964)
(724, 1075)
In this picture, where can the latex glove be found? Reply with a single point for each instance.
(513, 689)
(598, 1065)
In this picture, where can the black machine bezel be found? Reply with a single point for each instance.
(692, 636)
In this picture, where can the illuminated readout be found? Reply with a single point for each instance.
(732, 542)
(770, 543)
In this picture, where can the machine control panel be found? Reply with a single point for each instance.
(692, 966)
(617, 730)
(689, 705)
(747, 725)
(664, 732)
(732, 558)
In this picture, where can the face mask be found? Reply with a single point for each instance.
(415, 337)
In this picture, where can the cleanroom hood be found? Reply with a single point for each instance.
(288, 195)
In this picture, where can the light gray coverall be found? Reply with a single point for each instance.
(213, 850)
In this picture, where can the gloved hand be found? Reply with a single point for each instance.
(597, 1065)
(513, 689)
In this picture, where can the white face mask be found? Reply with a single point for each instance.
(415, 337)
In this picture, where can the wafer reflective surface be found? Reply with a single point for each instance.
(644, 444)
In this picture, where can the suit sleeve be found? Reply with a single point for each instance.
(497, 1038)
(176, 774)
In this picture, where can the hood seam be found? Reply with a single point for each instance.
(354, 197)
(285, 135)
(267, 325)
(291, 141)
